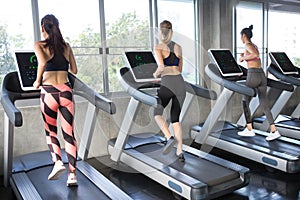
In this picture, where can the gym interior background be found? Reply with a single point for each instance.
(99, 32)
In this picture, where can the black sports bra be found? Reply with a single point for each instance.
(172, 59)
(57, 63)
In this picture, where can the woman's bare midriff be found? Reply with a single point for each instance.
(254, 64)
(170, 70)
(55, 77)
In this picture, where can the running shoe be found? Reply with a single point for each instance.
(57, 170)
(181, 157)
(246, 133)
(273, 136)
(72, 180)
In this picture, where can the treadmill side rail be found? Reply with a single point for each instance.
(101, 181)
(26, 190)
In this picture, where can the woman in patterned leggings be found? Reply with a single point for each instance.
(55, 60)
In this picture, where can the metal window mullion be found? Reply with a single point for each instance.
(104, 47)
(36, 20)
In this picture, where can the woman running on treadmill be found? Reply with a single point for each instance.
(169, 56)
(256, 78)
(55, 60)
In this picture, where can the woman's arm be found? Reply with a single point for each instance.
(72, 61)
(42, 61)
(178, 52)
(253, 53)
(160, 68)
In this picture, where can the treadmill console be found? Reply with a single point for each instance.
(142, 64)
(225, 62)
(282, 61)
(27, 69)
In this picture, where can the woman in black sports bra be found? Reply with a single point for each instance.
(55, 60)
(169, 56)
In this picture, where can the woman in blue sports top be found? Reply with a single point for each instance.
(169, 56)
(256, 78)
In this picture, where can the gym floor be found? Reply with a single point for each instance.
(264, 183)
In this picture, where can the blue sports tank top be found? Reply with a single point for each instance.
(57, 63)
(172, 59)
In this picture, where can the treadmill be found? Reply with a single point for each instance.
(282, 154)
(282, 68)
(27, 174)
(201, 176)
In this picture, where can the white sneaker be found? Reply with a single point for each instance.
(246, 132)
(72, 180)
(273, 136)
(57, 170)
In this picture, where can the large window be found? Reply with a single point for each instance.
(99, 32)
(284, 30)
(16, 32)
(80, 26)
(250, 13)
(181, 14)
(127, 28)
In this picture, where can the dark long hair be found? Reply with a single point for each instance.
(55, 41)
(248, 32)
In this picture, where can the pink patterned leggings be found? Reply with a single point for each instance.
(59, 99)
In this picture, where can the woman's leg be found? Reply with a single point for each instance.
(164, 95)
(252, 82)
(265, 106)
(49, 108)
(49, 103)
(178, 135)
(177, 102)
(263, 101)
(67, 124)
(162, 124)
(247, 114)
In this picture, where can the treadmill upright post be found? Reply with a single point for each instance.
(214, 116)
(88, 129)
(124, 129)
(296, 113)
(8, 152)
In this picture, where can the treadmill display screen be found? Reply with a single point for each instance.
(27, 69)
(142, 65)
(282, 61)
(226, 63)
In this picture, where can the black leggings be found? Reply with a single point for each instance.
(256, 79)
(172, 88)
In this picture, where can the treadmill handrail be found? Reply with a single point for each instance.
(11, 91)
(83, 90)
(280, 85)
(134, 89)
(213, 72)
(273, 69)
(200, 91)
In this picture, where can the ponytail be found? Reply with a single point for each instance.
(55, 41)
(248, 32)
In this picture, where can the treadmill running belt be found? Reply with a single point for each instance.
(200, 169)
(292, 123)
(276, 145)
(57, 189)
